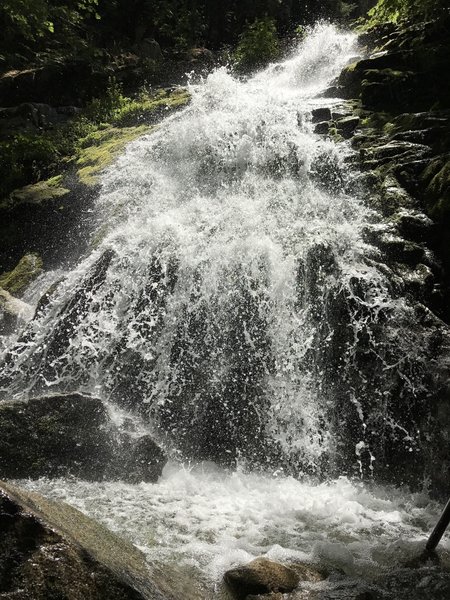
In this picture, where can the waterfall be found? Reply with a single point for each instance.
(233, 299)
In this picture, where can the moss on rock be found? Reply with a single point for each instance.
(149, 109)
(99, 149)
(50, 189)
(350, 79)
(52, 551)
(16, 281)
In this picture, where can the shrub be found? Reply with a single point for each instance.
(401, 10)
(25, 159)
(103, 110)
(258, 44)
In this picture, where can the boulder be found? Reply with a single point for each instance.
(335, 91)
(400, 250)
(321, 114)
(149, 48)
(72, 435)
(347, 125)
(12, 310)
(391, 60)
(396, 152)
(350, 80)
(416, 226)
(201, 56)
(261, 576)
(322, 128)
(41, 115)
(52, 551)
(418, 281)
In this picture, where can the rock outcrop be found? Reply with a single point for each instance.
(52, 551)
(398, 122)
(72, 435)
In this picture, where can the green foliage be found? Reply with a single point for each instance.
(42, 24)
(104, 109)
(258, 44)
(30, 157)
(28, 18)
(180, 21)
(25, 158)
(396, 11)
(145, 108)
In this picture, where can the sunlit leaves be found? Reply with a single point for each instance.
(400, 10)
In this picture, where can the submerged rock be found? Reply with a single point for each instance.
(72, 435)
(261, 576)
(52, 551)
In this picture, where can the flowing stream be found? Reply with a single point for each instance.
(234, 306)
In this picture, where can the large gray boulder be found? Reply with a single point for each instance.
(52, 551)
(72, 435)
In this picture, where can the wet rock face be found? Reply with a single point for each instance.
(402, 138)
(261, 576)
(41, 561)
(72, 435)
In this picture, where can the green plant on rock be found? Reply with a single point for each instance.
(396, 11)
(25, 159)
(104, 109)
(16, 281)
(258, 45)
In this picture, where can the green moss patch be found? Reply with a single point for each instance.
(16, 281)
(99, 150)
(37, 193)
(147, 109)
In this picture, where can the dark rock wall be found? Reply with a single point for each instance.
(398, 122)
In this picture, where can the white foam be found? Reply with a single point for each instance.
(214, 519)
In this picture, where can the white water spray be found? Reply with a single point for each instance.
(234, 302)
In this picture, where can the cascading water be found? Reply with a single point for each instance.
(236, 306)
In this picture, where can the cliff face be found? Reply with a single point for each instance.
(403, 94)
(398, 122)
